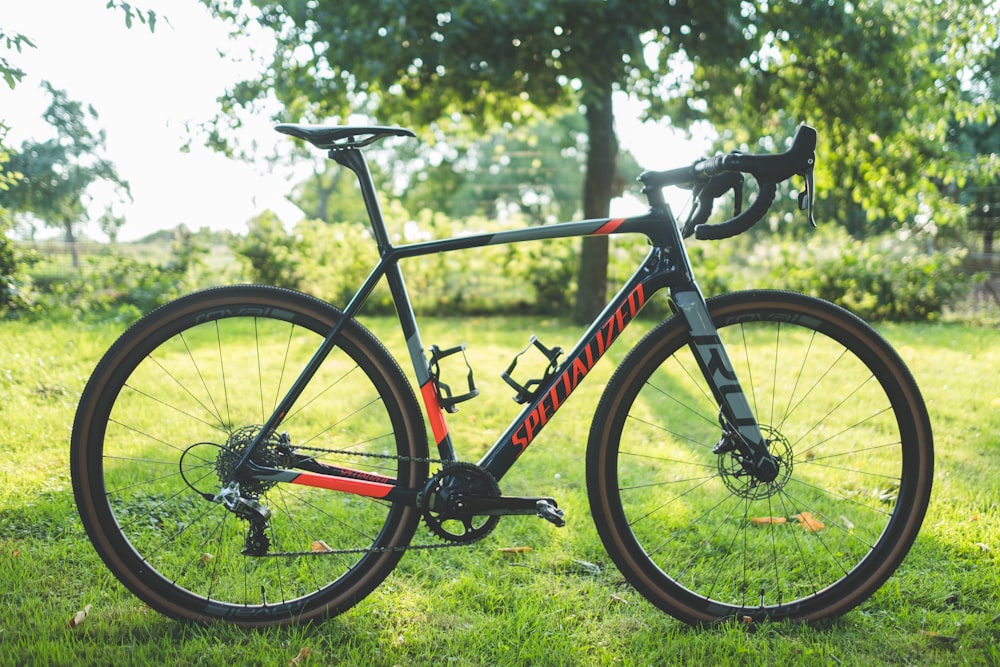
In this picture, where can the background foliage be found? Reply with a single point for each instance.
(888, 278)
(891, 87)
(561, 603)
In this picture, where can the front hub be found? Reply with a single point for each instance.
(738, 472)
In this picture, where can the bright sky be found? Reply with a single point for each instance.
(147, 86)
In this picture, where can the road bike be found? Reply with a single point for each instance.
(254, 455)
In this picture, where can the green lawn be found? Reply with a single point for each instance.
(559, 603)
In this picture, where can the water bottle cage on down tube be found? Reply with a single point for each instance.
(529, 390)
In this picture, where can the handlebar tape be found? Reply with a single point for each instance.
(741, 222)
(765, 168)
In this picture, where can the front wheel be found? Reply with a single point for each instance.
(704, 541)
(165, 419)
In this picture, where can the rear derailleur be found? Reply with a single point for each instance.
(239, 496)
(251, 511)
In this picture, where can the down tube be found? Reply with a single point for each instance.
(584, 356)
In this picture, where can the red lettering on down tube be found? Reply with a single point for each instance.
(578, 369)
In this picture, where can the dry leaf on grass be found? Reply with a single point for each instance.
(763, 520)
(515, 550)
(809, 522)
(301, 657)
(79, 618)
(319, 546)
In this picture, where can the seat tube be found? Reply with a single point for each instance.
(718, 371)
(426, 383)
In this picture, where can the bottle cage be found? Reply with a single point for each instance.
(529, 390)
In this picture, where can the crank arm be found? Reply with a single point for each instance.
(502, 505)
(545, 508)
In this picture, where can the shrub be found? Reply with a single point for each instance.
(886, 278)
(270, 253)
(891, 277)
(14, 284)
(116, 284)
(334, 260)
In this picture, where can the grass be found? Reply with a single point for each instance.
(562, 602)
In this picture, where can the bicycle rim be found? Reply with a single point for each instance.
(166, 415)
(700, 538)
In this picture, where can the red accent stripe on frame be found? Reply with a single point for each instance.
(434, 414)
(358, 486)
(610, 226)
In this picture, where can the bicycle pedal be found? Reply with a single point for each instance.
(547, 510)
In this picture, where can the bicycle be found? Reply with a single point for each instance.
(255, 455)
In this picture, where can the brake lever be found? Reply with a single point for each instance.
(807, 198)
(705, 194)
(738, 196)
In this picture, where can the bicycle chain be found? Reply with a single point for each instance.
(365, 550)
(348, 452)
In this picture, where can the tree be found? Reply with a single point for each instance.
(882, 81)
(8, 179)
(10, 260)
(533, 169)
(330, 195)
(478, 64)
(57, 173)
(980, 142)
(11, 73)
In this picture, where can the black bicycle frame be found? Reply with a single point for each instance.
(666, 266)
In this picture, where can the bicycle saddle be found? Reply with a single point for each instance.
(339, 137)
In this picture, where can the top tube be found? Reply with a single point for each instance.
(654, 225)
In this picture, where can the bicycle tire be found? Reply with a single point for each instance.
(166, 413)
(842, 413)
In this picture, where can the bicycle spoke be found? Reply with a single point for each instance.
(683, 516)
(172, 424)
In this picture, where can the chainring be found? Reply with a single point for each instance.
(444, 510)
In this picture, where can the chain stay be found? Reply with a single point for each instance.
(409, 547)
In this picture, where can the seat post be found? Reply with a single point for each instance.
(354, 159)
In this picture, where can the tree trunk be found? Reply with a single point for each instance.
(71, 242)
(592, 276)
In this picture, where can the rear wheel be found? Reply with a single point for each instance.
(704, 541)
(164, 420)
